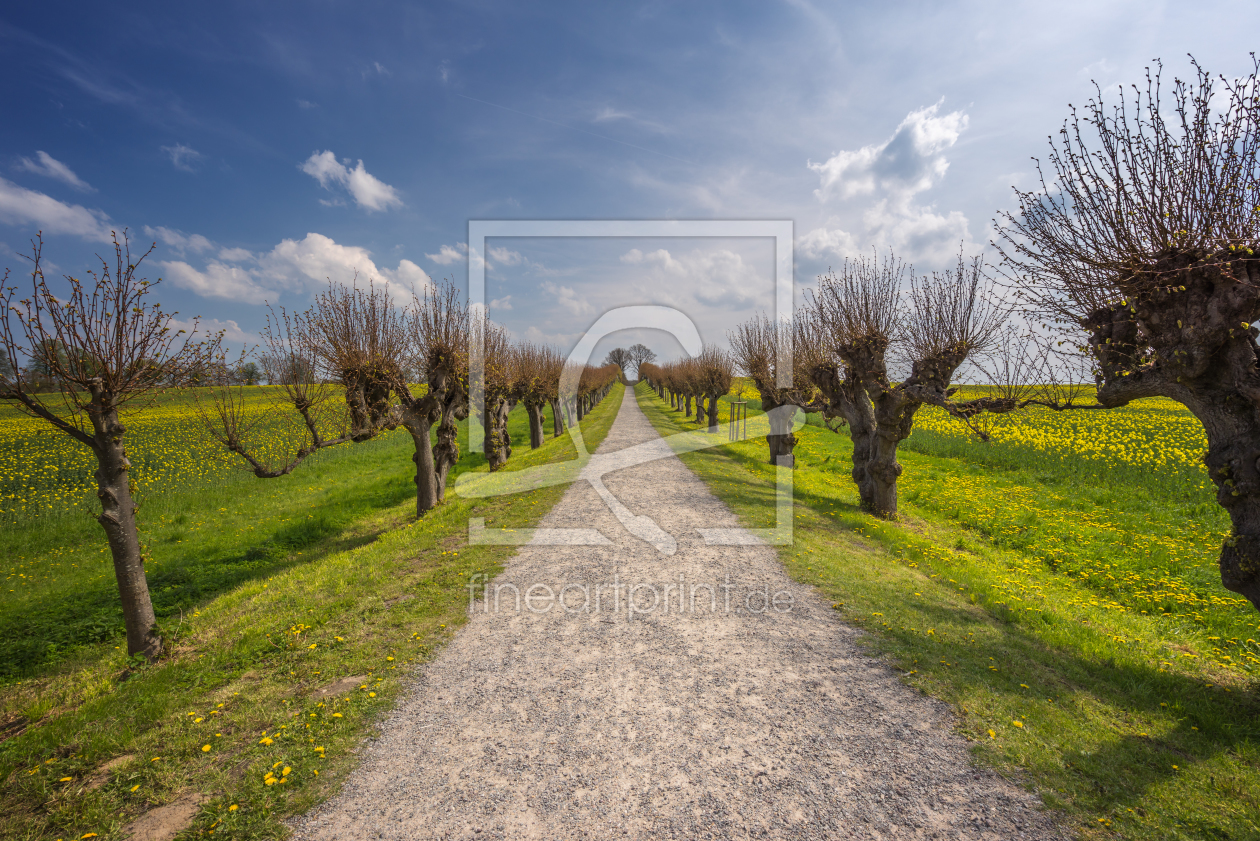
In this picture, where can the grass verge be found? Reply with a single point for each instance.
(1127, 720)
(274, 676)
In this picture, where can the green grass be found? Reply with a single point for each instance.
(1018, 596)
(267, 591)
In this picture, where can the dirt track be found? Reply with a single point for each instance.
(691, 723)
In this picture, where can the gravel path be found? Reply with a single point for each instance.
(692, 723)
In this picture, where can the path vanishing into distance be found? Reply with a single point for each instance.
(691, 723)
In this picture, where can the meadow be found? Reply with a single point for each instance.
(290, 609)
(1058, 588)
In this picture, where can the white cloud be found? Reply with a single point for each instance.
(718, 277)
(207, 327)
(183, 157)
(566, 297)
(293, 265)
(458, 252)
(313, 261)
(827, 242)
(504, 256)
(51, 167)
(368, 191)
(504, 303)
(895, 171)
(218, 280)
(178, 240)
(907, 163)
(20, 206)
(918, 232)
(235, 255)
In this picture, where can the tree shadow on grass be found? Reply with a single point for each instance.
(55, 624)
(51, 627)
(1103, 770)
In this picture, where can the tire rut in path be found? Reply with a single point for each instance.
(695, 723)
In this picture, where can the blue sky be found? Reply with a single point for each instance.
(268, 147)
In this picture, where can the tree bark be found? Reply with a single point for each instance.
(535, 413)
(427, 495)
(118, 519)
(781, 440)
(713, 413)
(557, 419)
(446, 450)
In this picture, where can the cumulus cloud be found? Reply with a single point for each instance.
(235, 255)
(504, 303)
(293, 265)
(207, 327)
(896, 171)
(458, 252)
(217, 280)
(316, 259)
(178, 240)
(826, 242)
(368, 191)
(45, 164)
(183, 157)
(908, 162)
(20, 206)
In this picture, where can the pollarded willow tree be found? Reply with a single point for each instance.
(1145, 237)
(537, 381)
(715, 369)
(337, 365)
(501, 376)
(859, 324)
(107, 348)
(438, 332)
(757, 346)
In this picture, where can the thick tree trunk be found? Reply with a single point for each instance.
(446, 450)
(495, 445)
(535, 413)
(581, 408)
(1233, 462)
(686, 401)
(557, 419)
(427, 495)
(700, 410)
(781, 440)
(118, 518)
(713, 413)
(882, 471)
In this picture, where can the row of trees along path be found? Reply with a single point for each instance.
(346, 370)
(1138, 248)
(1134, 261)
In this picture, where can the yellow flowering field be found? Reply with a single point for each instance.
(1155, 434)
(43, 472)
